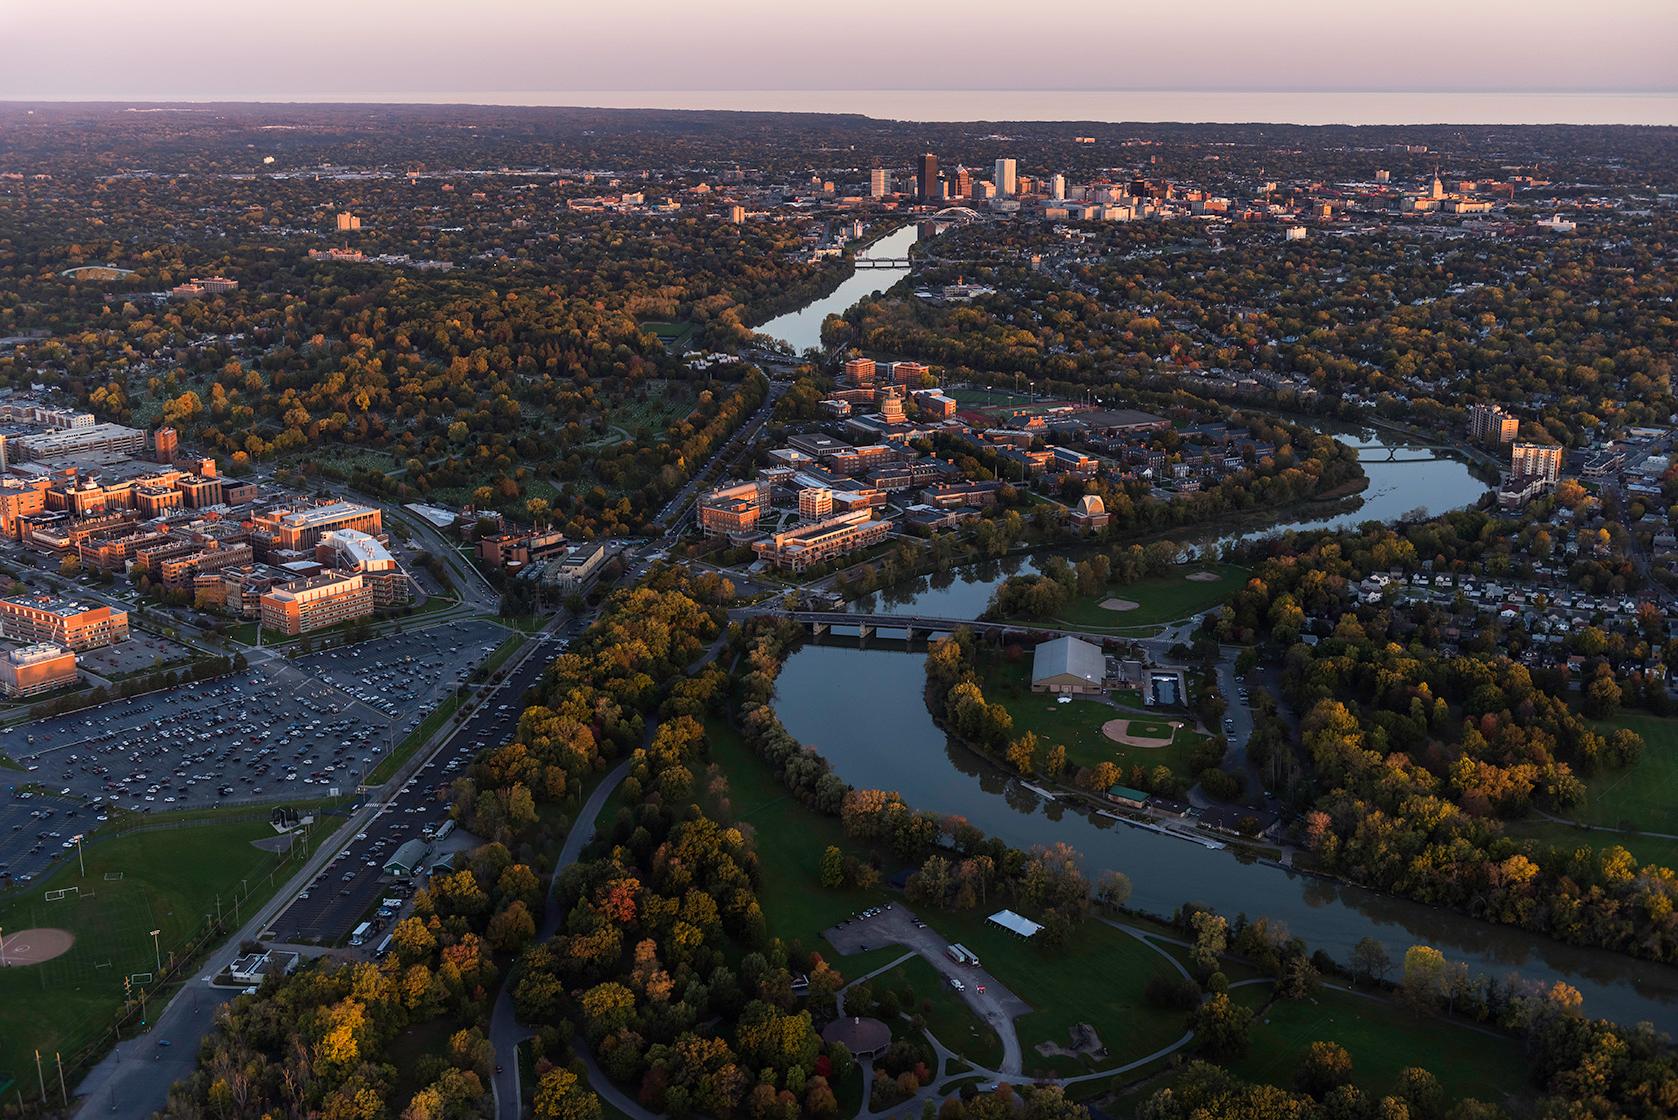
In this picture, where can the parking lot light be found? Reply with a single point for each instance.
(81, 862)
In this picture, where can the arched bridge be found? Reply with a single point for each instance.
(1393, 454)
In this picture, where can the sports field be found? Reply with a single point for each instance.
(167, 880)
(1157, 599)
(1077, 725)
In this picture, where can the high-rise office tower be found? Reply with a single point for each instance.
(879, 183)
(963, 186)
(1057, 188)
(927, 181)
(1007, 184)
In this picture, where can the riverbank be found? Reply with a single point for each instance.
(891, 742)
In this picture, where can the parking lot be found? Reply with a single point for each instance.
(280, 731)
(35, 831)
(349, 889)
(141, 653)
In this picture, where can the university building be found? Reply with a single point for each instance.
(33, 669)
(42, 618)
(808, 545)
(316, 602)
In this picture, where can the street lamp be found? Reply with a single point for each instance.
(81, 862)
(157, 954)
(2, 946)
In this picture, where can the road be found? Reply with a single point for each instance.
(982, 992)
(134, 1079)
(505, 1032)
(670, 517)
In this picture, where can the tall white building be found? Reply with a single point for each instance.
(879, 183)
(1057, 188)
(1006, 178)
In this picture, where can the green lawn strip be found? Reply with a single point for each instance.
(946, 1014)
(170, 880)
(392, 762)
(1159, 599)
(1644, 795)
(1383, 1038)
(498, 657)
(1568, 839)
(790, 840)
(1097, 978)
(1076, 725)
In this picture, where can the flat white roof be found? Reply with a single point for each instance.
(1013, 923)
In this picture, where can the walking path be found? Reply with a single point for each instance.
(505, 1031)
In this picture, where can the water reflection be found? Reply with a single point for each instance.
(803, 328)
(864, 709)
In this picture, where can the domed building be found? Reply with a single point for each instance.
(1091, 514)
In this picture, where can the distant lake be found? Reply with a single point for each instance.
(1310, 107)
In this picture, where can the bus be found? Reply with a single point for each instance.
(961, 954)
(359, 935)
(384, 946)
(444, 829)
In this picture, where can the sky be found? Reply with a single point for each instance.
(254, 49)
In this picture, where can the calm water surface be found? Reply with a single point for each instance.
(865, 711)
(803, 328)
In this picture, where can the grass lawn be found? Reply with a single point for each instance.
(790, 840)
(1383, 1038)
(170, 880)
(1159, 599)
(947, 1016)
(981, 397)
(1097, 978)
(1646, 849)
(668, 332)
(1076, 725)
(1644, 795)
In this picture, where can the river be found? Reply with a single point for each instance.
(803, 328)
(888, 741)
(876, 731)
(1430, 486)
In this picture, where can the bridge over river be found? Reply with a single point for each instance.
(926, 627)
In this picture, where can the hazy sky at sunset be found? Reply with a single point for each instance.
(91, 48)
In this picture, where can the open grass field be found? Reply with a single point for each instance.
(1645, 795)
(950, 1020)
(671, 334)
(1383, 1038)
(1159, 599)
(1076, 725)
(169, 880)
(976, 397)
(1097, 978)
(1646, 849)
(790, 840)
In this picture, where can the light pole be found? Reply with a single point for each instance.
(80, 861)
(157, 954)
(2, 946)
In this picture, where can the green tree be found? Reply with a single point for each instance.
(833, 867)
